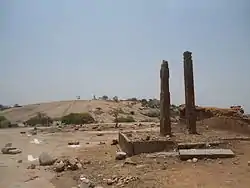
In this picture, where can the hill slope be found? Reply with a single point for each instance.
(99, 109)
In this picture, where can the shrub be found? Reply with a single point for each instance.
(77, 118)
(41, 119)
(152, 113)
(105, 97)
(132, 99)
(4, 123)
(126, 119)
(115, 98)
(144, 102)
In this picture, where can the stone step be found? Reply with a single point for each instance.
(205, 153)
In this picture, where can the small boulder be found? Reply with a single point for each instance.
(194, 160)
(46, 160)
(120, 155)
(248, 163)
(99, 134)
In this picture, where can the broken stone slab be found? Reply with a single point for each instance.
(199, 145)
(205, 153)
(241, 138)
(162, 154)
(10, 150)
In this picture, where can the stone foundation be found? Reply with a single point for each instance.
(135, 147)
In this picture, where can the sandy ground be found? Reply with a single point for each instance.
(151, 172)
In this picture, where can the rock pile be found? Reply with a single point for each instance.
(67, 164)
(8, 149)
(121, 180)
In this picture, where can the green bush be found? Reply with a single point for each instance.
(41, 119)
(152, 113)
(4, 123)
(77, 118)
(126, 119)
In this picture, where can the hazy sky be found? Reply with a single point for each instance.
(58, 49)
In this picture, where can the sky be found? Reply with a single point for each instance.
(54, 50)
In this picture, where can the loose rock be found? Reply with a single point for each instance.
(99, 134)
(120, 155)
(194, 160)
(74, 143)
(59, 166)
(32, 166)
(114, 142)
(46, 160)
(129, 161)
(248, 163)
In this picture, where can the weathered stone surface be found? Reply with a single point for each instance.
(165, 124)
(201, 145)
(162, 154)
(10, 150)
(120, 155)
(190, 113)
(205, 153)
(45, 159)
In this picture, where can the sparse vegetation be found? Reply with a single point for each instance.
(5, 123)
(132, 99)
(115, 98)
(105, 97)
(78, 118)
(126, 119)
(39, 119)
(152, 113)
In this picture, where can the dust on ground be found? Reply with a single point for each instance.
(103, 169)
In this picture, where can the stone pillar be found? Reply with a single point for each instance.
(190, 111)
(165, 125)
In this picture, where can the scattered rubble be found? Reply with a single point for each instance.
(114, 142)
(32, 166)
(67, 164)
(119, 181)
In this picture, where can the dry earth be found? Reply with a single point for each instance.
(61, 108)
(156, 172)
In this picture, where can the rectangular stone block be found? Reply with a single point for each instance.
(135, 147)
(205, 153)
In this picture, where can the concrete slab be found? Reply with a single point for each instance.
(199, 145)
(205, 153)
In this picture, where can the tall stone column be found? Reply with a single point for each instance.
(165, 124)
(190, 110)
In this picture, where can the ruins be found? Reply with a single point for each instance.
(190, 111)
(165, 124)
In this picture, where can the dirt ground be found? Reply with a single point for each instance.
(158, 172)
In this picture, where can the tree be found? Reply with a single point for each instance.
(115, 98)
(105, 97)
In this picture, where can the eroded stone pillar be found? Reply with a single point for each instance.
(165, 124)
(190, 111)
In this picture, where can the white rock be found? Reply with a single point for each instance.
(120, 155)
(194, 160)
